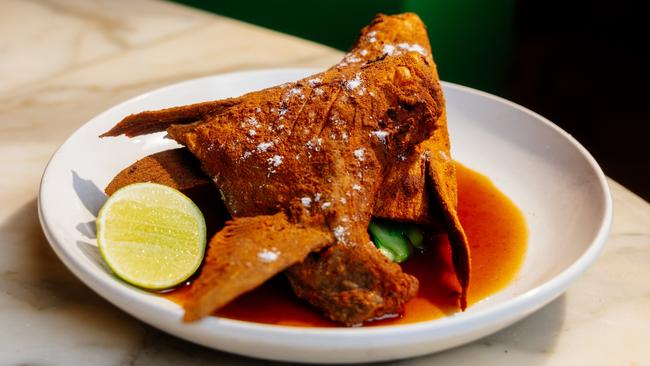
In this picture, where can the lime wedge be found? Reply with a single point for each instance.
(151, 236)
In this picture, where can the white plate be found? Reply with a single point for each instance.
(554, 181)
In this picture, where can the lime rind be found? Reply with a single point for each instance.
(151, 236)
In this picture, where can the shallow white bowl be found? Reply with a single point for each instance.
(556, 183)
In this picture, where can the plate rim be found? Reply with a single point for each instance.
(109, 287)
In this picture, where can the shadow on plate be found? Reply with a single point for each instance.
(89, 194)
(91, 251)
(93, 199)
(87, 229)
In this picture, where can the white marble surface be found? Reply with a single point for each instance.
(61, 62)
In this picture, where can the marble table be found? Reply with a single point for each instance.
(63, 61)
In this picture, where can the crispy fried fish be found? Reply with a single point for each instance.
(322, 147)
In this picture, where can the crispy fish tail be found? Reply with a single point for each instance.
(245, 254)
(155, 121)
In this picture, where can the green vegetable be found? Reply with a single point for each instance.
(396, 240)
(415, 236)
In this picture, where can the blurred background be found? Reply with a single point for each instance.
(582, 64)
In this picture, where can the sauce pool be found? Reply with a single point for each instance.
(497, 237)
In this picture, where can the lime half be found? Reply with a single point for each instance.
(151, 236)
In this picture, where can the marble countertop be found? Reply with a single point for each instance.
(63, 61)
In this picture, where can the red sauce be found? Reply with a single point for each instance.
(497, 235)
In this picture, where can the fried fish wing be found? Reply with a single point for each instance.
(247, 252)
(406, 33)
(155, 121)
(311, 149)
(440, 173)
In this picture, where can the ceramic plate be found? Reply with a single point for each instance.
(551, 178)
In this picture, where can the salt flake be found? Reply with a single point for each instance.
(339, 233)
(354, 83)
(359, 153)
(381, 135)
(413, 48)
(267, 256)
(263, 146)
(252, 121)
(276, 160)
(371, 36)
(388, 49)
(352, 59)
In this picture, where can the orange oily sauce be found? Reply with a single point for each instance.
(497, 236)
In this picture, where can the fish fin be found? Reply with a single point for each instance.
(246, 253)
(442, 180)
(155, 121)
